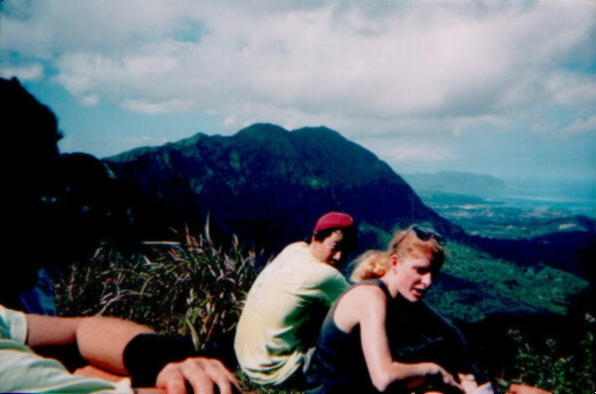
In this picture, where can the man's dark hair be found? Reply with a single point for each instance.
(349, 242)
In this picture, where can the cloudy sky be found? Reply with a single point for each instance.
(495, 87)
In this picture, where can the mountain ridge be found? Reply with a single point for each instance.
(268, 185)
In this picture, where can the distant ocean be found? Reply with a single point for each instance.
(577, 198)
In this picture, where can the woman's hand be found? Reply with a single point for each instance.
(437, 378)
(468, 382)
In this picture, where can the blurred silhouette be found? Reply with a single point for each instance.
(57, 207)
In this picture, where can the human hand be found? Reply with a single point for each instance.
(468, 382)
(202, 374)
(485, 388)
(440, 378)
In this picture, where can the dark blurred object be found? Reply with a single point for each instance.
(80, 208)
(56, 208)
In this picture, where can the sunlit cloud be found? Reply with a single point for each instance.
(25, 72)
(148, 107)
(90, 100)
(572, 89)
(583, 126)
(351, 61)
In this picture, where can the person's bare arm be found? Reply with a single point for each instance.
(51, 330)
(369, 305)
(102, 341)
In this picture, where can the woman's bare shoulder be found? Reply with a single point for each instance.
(358, 303)
(365, 294)
(368, 288)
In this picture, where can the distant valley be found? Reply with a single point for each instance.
(537, 228)
(483, 205)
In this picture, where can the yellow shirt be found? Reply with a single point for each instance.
(283, 313)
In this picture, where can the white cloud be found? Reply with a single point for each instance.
(583, 126)
(571, 89)
(90, 100)
(24, 72)
(355, 66)
(145, 106)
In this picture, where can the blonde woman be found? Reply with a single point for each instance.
(380, 337)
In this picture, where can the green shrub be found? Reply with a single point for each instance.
(551, 369)
(167, 285)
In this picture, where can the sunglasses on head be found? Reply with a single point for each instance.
(423, 235)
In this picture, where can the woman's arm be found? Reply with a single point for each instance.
(367, 306)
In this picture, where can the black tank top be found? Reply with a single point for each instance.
(416, 333)
(338, 364)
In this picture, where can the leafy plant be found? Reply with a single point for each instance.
(167, 285)
(552, 370)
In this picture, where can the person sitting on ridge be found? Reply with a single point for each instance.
(287, 302)
(380, 336)
(61, 205)
(132, 353)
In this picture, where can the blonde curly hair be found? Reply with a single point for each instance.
(374, 264)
